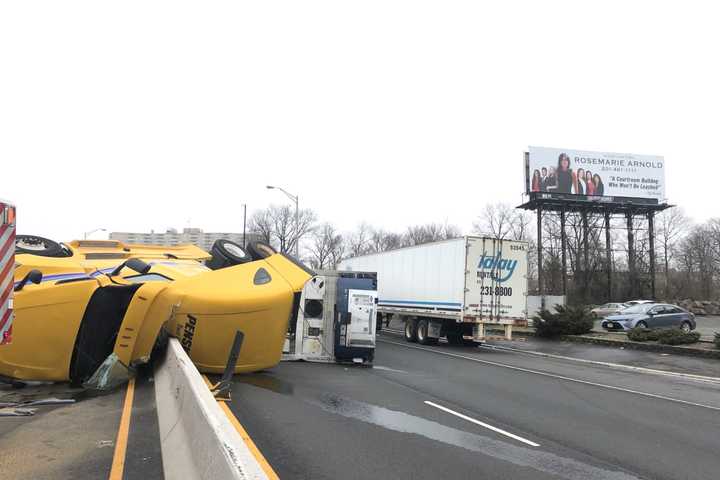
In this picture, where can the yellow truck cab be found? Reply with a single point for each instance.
(90, 311)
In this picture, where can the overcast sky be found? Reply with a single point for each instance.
(147, 115)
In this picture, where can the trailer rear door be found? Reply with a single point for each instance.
(496, 280)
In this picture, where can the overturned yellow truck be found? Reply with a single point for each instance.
(88, 312)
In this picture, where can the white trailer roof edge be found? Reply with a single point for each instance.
(420, 245)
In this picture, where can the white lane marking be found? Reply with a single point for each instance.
(559, 377)
(653, 371)
(482, 424)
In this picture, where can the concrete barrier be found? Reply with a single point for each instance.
(197, 438)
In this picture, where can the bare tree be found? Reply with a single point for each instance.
(521, 223)
(700, 266)
(670, 226)
(261, 223)
(713, 233)
(278, 226)
(382, 241)
(501, 220)
(430, 232)
(326, 248)
(359, 241)
(495, 220)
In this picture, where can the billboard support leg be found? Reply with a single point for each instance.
(541, 292)
(651, 231)
(631, 254)
(608, 256)
(586, 258)
(563, 247)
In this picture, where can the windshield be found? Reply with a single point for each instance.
(641, 308)
(147, 277)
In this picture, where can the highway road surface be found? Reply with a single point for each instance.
(113, 435)
(466, 412)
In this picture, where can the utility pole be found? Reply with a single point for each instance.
(244, 223)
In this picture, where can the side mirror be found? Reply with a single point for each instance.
(137, 265)
(133, 264)
(34, 276)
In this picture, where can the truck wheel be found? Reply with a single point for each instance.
(260, 250)
(422, 332)
(454, 338)
(40, 246)
(411, 330)
(226, 254)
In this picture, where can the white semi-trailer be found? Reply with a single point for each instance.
(452, 288)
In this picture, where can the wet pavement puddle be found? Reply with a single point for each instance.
(402, 422)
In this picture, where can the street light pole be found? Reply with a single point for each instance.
(85, 235)
(296, 199)
(244, 223)
(297, 227)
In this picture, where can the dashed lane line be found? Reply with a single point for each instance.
(483, 424)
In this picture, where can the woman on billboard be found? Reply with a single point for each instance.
(590, 190)
(579, 182)
(564, 174)
(551, 181)
(599, 187)
(535, 187)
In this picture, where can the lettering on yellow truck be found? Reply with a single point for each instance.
(188, 333)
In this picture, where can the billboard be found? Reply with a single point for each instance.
(566, 172)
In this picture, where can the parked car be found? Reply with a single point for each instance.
(606, 309)
(651, 315)
(638, 302)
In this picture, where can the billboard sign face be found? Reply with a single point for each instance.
(594, 174)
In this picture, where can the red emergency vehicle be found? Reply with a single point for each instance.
(7, 267)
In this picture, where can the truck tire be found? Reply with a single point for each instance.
(260, 250)
(423, 327)
(411, 330)
(454, 338)
(422, 332)
(34, 245)
(226, 254)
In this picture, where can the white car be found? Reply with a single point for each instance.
(638, 302)
(606, 309)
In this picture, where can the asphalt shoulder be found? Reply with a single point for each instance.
(619, 355)
(79, 440)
